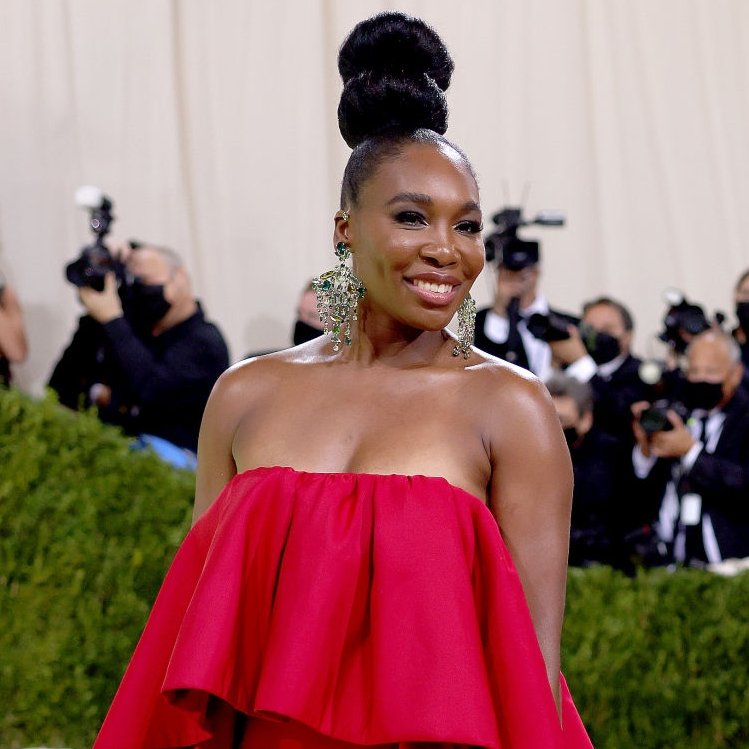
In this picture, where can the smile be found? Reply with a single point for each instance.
(435, 294)
(439, 288)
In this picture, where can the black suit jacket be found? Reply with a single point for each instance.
(615, 395)
(721, 478)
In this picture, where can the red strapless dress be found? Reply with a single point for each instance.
(330, 610)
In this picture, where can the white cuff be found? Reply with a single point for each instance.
(583, 369)
(688, 459)
(641, 463)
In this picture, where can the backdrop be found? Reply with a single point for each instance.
(213, 127)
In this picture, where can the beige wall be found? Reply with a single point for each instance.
(212, 125)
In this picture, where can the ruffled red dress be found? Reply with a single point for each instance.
(331, 610)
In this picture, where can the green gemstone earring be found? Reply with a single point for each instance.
(338, 293)
(466, 327)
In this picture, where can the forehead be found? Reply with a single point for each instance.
(707, 352)
(147, 263)
(430, 169)
(604, 314)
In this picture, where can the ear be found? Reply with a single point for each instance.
(342, 228)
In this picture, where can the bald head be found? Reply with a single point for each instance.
(714, 356)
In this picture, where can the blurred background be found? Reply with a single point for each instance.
(213, 128)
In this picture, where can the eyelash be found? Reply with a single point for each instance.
(413, 217)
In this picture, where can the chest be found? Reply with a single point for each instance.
(412, 424)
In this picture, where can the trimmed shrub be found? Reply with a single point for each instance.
(659, 661)
(88, 528)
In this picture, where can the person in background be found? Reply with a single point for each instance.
(13, 346)
(144, 353)
(599, 501)
(699, 468)
(502, 329)
(307, 324)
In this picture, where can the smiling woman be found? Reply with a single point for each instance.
(382, 514)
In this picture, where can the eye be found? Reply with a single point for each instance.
(411, 218)
(470, 227)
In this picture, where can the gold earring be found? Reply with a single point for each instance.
(466, 327)
(338, 293)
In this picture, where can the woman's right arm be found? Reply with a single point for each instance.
(221, 418)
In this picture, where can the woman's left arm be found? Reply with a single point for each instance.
(531, 496)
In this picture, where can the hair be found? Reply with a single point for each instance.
(395, 71)
(626, 315)
(562, 386)
(741, 280)
(731, 344)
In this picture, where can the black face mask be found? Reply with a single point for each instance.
(742, 312)
(143, 305)
(701, 394)
(304, 332)
(571, 435)
(602, 347)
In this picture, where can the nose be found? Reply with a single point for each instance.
(438, 249)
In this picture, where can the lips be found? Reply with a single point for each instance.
(437, 291)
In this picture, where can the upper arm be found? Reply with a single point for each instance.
(221, 418)
(531, 495)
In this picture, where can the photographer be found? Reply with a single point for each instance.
(502, 330)
(599, 465)
(143, 354)
(700, 468)
(13, 348)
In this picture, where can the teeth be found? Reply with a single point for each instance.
(440, 288)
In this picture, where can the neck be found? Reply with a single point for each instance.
(177, 313)
(381, 339)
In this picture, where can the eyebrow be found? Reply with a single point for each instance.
(423, 199)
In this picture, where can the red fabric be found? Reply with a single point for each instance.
(372, 609)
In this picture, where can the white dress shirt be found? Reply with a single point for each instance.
(668, 527)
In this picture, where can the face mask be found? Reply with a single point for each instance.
(602, 347)
(571, 436)
(701, 394)
(143, 305)
(304, 332)
(742, 312)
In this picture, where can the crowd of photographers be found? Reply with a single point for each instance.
(660, 450)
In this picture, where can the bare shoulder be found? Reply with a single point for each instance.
(513, 402)
(500, 382)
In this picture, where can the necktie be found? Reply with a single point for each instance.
(515, 351)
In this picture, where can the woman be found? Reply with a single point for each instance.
(345, 582)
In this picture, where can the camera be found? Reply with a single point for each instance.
(666, 388)
(683, 320)
(551, 327)
(655, 418)
(504, 245)
(95, 260)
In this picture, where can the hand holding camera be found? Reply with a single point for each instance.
(105, 305)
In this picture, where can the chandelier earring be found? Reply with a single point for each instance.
(466, 327)
(338, 293)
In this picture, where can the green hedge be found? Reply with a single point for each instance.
(87, 529)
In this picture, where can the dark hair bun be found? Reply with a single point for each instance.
(395, 70)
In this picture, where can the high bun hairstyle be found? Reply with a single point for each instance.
(395, 72)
